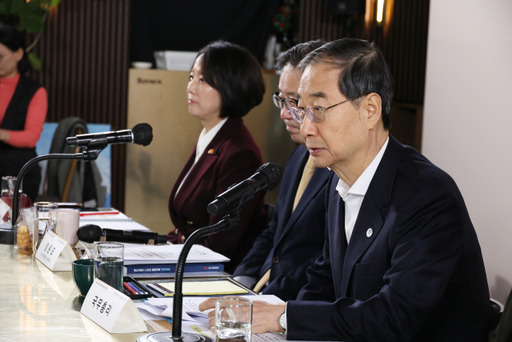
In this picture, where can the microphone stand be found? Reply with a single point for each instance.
(89, 153)
(228, 222)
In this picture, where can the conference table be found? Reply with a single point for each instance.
(37, 304)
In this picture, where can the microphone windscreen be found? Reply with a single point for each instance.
(89, 233)
(142, 134)
(273, 173)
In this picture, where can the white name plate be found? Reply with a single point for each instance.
(4, 208)
(112, 310)
(55, 252)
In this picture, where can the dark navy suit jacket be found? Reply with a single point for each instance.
(413, 270)
(231, 157)
(292, 241)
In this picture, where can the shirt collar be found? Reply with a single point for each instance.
(205, 138)
(362, 183)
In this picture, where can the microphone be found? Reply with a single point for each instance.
(140, 134)
(266, 177)
(91, 232)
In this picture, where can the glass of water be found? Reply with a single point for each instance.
(109, 262)
(46, 216)
(233, 319)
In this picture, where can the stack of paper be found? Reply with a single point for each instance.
(110, 219)
(149, 261)
(194, 320)
(164, 254)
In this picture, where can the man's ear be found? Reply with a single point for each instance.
(372, 104)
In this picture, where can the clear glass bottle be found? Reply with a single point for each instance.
(8, 183)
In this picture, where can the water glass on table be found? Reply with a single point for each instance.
(46, 217)
(233, 319)
(109, 263)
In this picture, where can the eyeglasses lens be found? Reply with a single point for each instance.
(278, 102)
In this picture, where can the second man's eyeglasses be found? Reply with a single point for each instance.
(287, 103)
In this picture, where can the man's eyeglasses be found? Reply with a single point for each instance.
(315, 113)
(279, 102)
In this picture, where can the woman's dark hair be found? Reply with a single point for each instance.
(236, 74)
(14, 40)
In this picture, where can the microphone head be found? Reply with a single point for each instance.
(142, 134)
(89, 233)
(272, 172)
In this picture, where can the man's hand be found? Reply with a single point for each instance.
(265, 316)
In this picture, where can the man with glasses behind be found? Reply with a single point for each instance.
(401, 260)
(295, 236)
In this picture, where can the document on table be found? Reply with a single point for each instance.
(197, 321)
(110, 220)
(154, 254)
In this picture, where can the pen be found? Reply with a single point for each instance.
(138, 288)
(130, 288)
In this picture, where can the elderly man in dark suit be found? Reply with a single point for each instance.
(295, 236)
(401, 260)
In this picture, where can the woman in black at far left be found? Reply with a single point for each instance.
(23, 109)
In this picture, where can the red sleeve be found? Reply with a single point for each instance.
(36, 116)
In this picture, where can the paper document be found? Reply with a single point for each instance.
(118, 221)
(196, 321)
(168, 254)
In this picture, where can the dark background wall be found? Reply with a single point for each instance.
(159, 25)
(87, 47)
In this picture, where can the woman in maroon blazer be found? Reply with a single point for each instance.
(224, 84)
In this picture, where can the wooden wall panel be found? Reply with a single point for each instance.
(403, 41)
(84, 54)
(403, 38)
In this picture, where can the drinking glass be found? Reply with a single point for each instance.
(46, 216)
(233, 319)
(109, 263)
(8, 184)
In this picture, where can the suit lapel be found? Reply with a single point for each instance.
(368, 225)
(205, 162)
(318, 180)
(371, 217)
(336, 238)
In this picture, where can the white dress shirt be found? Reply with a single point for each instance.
(353, 196)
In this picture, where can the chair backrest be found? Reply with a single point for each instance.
(502, 332)
(72, 180)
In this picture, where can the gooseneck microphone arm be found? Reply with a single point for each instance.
(228, 222)
(228, 204)
(88, 154)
